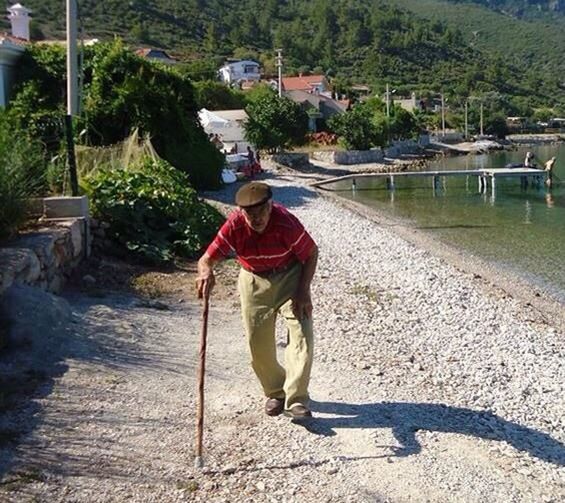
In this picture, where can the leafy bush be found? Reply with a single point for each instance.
(402, 124)
(128, 92)
(121, 92)
(356, 129)
(22, 169)
(152, 210)
(217, 96)
(275, 122)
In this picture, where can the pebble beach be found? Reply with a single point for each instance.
(430, 383)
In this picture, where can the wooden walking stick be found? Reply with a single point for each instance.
(198, 462)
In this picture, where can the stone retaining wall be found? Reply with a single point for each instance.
(349, 156)
(290, 159)
(46, 257)
(403, 147)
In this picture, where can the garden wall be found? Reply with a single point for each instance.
(45, 257)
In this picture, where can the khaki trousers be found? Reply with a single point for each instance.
(261, 300)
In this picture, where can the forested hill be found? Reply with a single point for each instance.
(407, 43)
(530, 43)
(525, 9)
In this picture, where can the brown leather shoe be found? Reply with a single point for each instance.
(299, 411)
(274, 406)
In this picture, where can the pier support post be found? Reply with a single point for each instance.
(353, 184)
(390, 183)
(493, 185)
(482, 183)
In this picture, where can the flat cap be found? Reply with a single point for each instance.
(253, 194)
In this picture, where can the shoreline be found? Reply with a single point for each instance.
(498, 281)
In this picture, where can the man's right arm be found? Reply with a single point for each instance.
(205, 280)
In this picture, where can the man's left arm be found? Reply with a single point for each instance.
(302, 301)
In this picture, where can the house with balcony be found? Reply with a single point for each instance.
(236, 72)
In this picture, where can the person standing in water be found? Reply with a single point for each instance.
(549, 169)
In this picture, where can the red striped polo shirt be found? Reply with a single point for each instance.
(283, 241)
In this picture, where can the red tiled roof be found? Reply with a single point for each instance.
(14, 40)
(302, 82)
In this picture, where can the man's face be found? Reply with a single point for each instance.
(258, 217)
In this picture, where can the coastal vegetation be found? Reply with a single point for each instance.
(121, 92)
(275, 122)
(152, 210)
(150, 204)
(22, 175)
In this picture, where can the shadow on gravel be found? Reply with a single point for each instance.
(405, 419)
(47, 332)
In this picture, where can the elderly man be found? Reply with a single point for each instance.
(278, 259)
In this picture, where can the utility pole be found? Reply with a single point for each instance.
(387, 101)
(442, 115)
(482, 106)
(72, 87)
(279, 66)
(466, 118)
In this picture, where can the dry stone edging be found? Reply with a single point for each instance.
(45, 258)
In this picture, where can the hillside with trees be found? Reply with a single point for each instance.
(424, 45)
(524, 9)
(536, 45)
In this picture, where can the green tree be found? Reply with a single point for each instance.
(217, 96)
(275, 123)
(121, 92)
(403, 124)
(200, 69)
(496, 125)
(357, 129)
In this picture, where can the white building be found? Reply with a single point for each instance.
(227, 125)
(12, 47)
(237, 71)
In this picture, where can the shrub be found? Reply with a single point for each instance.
(217, 96)
(21, 176)
(152, 210)
(356, 129)
(128, 92)
(121, 92)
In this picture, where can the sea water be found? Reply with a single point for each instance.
(521, 230)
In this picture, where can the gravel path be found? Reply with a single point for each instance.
(429, 385)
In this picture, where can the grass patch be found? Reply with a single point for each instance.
(366, 291)
(188, 486)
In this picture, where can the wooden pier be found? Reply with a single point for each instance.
(483, 177)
